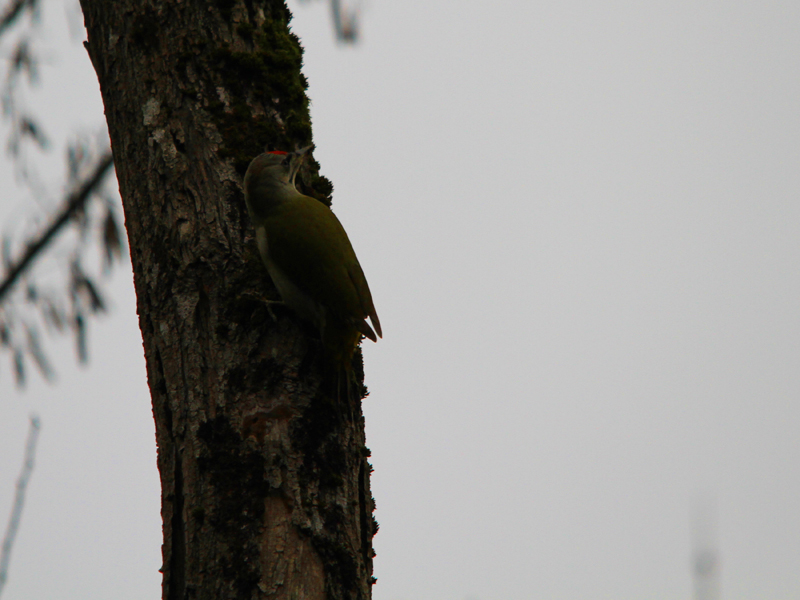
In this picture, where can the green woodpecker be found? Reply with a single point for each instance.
(308, 255)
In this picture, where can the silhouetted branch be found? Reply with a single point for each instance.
(74, 203)
(19, 499)
(13, 10)
(345, 22)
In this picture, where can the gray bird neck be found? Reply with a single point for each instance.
(267, 196)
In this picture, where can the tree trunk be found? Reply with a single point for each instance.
(264, 472)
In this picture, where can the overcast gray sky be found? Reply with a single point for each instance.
(579, 222)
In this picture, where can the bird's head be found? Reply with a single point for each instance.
(270, 178)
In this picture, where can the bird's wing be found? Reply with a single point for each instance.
(365, 297)
(310, 246)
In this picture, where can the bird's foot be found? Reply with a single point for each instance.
(270, 304)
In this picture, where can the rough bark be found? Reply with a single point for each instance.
(264, 472)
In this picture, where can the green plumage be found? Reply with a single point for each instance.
(309, 245)
(308, 255)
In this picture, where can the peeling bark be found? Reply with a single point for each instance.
(264, 472)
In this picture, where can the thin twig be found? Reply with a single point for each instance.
(75, 202)
(19, 499)
(344, 23)
(13, 10)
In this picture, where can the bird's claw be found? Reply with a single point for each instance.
(269, 304)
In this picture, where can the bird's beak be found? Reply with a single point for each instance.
(302, 151)
(297, 160)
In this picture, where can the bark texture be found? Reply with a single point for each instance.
(264, 472)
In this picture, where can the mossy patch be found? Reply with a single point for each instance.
(270, 76)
